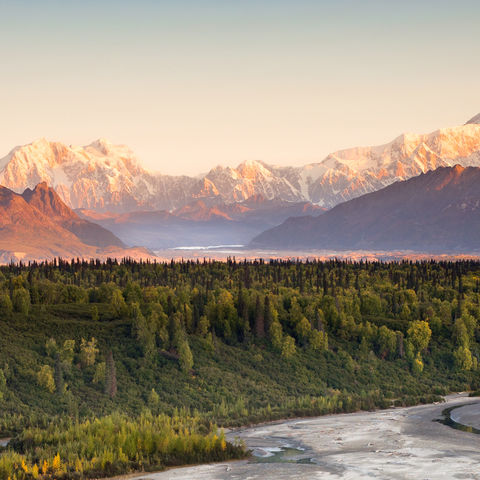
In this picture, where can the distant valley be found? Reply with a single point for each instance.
(202, 222)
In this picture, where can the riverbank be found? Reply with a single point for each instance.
(399, 443)
(468, 415)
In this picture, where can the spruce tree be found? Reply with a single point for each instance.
(267, 316)
(259, 319)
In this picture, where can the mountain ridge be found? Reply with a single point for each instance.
(106, 177)
(46, 200)
(475, 119)
(435, 211)
(37, 225)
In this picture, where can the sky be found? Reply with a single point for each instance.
(190, 84)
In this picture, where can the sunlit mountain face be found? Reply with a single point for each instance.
(37, 225)
(105, 177)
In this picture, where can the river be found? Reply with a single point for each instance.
(400, 443)
(4, 442)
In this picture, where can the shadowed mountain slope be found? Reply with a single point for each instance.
(436, 211)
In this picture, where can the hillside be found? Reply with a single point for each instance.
(227, 343)
(238, 342)
(434, 212)
(37, 225)
(268, 334)
(109, 178)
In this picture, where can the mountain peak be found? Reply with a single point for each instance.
(251, 168)
(475, 119)
(38, 225)
(42, 186)
(101, 142)
(251, 164)
(108, 177)
(47, 201)
(102, 145)
(40, 141)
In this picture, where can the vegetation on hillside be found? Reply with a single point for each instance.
(113, 445)
(178, 348)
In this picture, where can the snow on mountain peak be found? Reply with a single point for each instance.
(252, 168)
(83, 176)
(102, 145)
(103, 176)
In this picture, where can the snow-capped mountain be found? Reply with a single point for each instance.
(99, 176)
(106, 177)
(353, 172)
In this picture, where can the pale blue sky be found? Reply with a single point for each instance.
(192, 84)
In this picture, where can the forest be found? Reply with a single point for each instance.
(121, 366)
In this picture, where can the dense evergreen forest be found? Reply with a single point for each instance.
(113, 367)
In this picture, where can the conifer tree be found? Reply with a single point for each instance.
(241, 305)
(400, 345)
(259, 319)
(268, 314)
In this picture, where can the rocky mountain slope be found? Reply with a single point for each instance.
(47, 201)
(105, 177)
(37, 225)
(436, 212)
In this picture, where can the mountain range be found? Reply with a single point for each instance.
(435, 212)
(108, 178)
(37, 225)
(102, 196)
